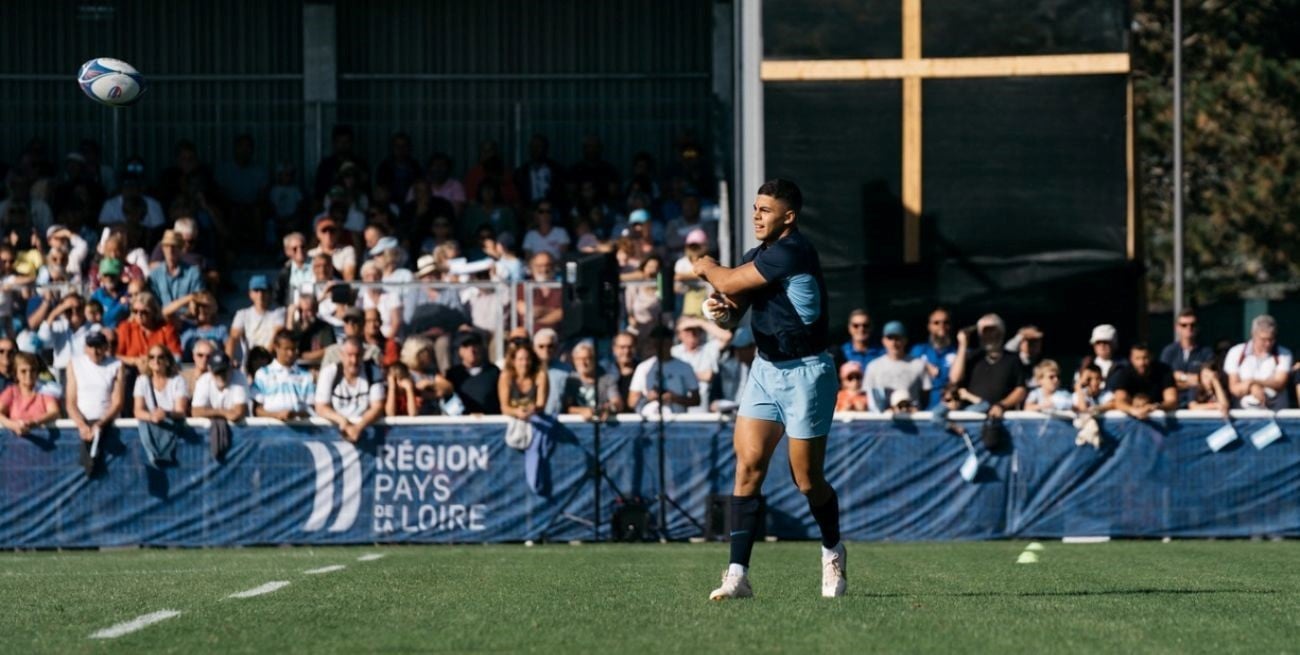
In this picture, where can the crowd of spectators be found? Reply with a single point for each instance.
(109, 288)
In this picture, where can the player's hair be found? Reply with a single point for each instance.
(785, 191)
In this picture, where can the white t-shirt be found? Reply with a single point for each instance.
(679, 379)
(111, 213)
(174, 390)
(259, 327)
(66, 343)
(343, 258)
(410, 296)
(387, 302)
(552, 242)
(207, 395)
(1061, 400)
(703, 360)
(95, 385)
(350, 399)
(1248, 366)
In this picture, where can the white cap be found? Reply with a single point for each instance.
(899, 396)
(1104, 332)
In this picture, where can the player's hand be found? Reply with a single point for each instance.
(716, 308)
(703, 265)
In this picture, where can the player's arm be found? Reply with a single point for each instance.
(730, 281)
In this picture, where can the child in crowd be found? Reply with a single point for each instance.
(1210, 394)
(1048, 395)
(852, 397)
(1089, 396)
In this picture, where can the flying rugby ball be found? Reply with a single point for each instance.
(112, 82)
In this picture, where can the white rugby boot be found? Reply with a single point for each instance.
(734, 585)
(834, 578)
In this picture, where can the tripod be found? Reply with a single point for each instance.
(664, 500)
(596, 470)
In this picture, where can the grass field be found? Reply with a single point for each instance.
(956, 597)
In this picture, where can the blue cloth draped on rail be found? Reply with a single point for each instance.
(442, 481)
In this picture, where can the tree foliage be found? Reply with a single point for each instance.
(1241, 145)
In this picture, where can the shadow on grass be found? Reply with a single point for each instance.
(1085, 592)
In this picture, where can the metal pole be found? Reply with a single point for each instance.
(1178, 158)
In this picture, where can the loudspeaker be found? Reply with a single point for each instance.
(590, 293)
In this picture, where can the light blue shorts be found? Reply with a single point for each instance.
(798, 393)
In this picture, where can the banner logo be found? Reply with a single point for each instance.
(323, 505)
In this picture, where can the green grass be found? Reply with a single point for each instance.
(956, 597)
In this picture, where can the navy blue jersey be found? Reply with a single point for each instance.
(790, 311)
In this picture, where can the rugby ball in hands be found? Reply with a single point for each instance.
(715, 311)
(112, 82)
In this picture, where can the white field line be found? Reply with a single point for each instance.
(258, 591)
(137, 623)
(325, 569)
(370, 557)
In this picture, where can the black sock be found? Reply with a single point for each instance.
(828, 519)
(744, 523)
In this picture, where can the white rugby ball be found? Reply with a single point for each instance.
(112, 82)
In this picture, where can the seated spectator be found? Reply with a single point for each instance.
(624, 363)
(437, 395)
(475, 379)
(282, 389)
(145, 329)
(489, 210)
(201, 324)
(162, 401)
(1089, 394)
(387, 303)
(852, 397)
(1186, 357)
(297, 272)
(112, 213)
(23, 406)
(679, 388)
(643, 305)
(894, 371)
(1048, 395)
(96, 394)
(353, 326)
(1210, 394)
(221, 392)
(590, 391)
(523, 386)
(1144, 386)
(174, 278)
(111, 294)
(1258, 370)
(64, 329)
(547, 298)
(733, 371)
(351, 394)
(986, 378)
(286, 199)
(313, 334)
(372, 333)
(328, 242)
(8, 351)
(938, 351)
(1103, 350)
(442, 184)
(701, 353)
(546, 236)
(256, 325)
(858, 348)
(401, 399)
(202, 353)
(1028, 347)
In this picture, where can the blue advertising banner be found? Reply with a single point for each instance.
(455, 482)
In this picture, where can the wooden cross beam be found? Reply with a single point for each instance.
(913, 68)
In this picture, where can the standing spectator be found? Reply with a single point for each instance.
(986, 377)
(162, 401)
(1186, 357)
(244, 182)
(328, 169)
(96, 394)
(1028, 348)
(540, 178)
(1209, 393)
(896, 370)
(22, 405)
(858, 348)
(488, 209)
(624, 363)
(679, 389)
(590, 391)
(852, 397)
(111, 294)
(1103, 349)
(546, 343)
(353, 326)
(202, 324)
(643, 305)
(297, 273)
(313, 334)
(221, 392)
(546, 236)
(938, 351)
(490, 166)
(257, 325)
(1145, 385)
(594, 169)
(1258, 369)
(700, 352)
(523, 386)
(475, 379)
(328, 242)
(399, 170)
(351, 393)
(1048, 394)
(282, 389)
(64, 331)
(547, 297)
(286, 198)
(145, 329)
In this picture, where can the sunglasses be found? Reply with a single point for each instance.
(860, 326)
(139, 312)
(853, 376)
(1187, 325)
(201, 355)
